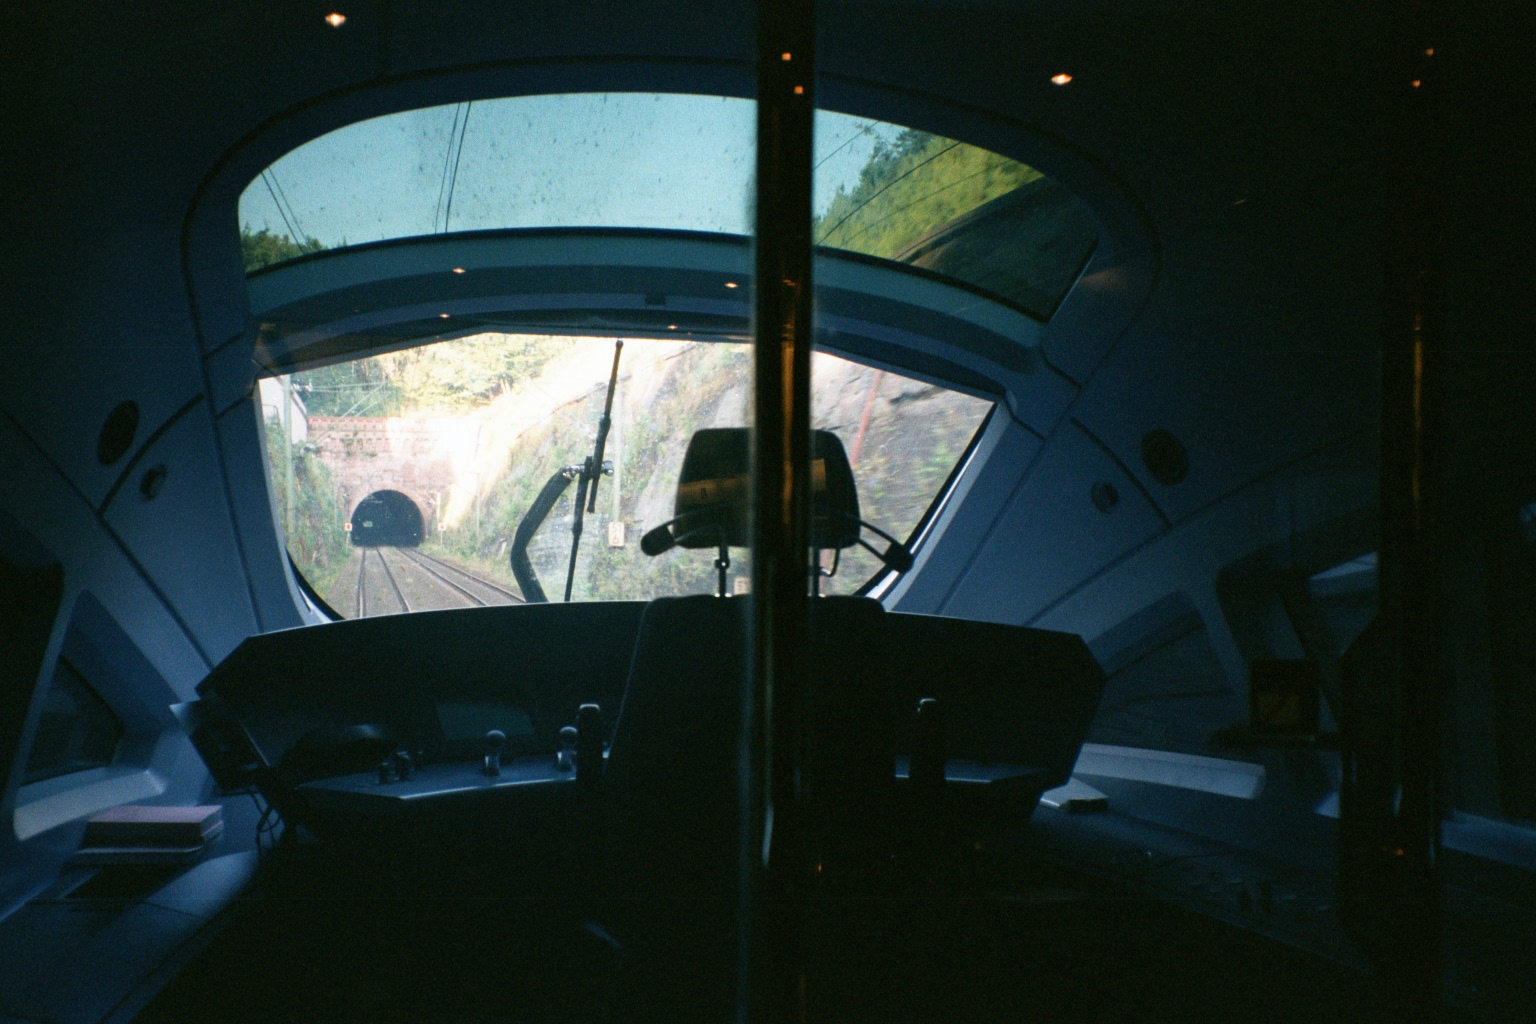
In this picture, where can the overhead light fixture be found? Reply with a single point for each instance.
(799, 90)
(1061, 79)
(730, 284)
(671, 327)
(786, 55)
(335, 19)
(443, 315)
(1415, 83)
(458, 270)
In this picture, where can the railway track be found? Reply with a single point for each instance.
(392, 580)
(436, 567)
(362, 591)
(389, 574)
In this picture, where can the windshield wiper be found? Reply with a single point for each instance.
(588, 473)
(592, 471)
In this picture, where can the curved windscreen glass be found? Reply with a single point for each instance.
(443, 476)
(667, 161)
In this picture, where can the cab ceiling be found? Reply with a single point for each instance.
(1241, 130)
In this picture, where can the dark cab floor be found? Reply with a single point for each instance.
(341, 937)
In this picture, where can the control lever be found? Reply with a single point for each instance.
(563, 760)
(926, 773)
(589, 745)
(494, 741)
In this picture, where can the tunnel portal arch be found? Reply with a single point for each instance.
(387, 519)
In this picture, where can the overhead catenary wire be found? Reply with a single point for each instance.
(442, 184)
(293, 215)
(907, 206)
(856, 136)
(453, 179)
(878, 192)
(267, 181)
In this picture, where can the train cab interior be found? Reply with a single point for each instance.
(795, 510)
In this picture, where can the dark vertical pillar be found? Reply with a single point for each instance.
(1407, 855)
(780, 505)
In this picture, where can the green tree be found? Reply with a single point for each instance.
(263, 248)
(911, 186)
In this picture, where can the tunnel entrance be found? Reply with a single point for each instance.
(387, 519)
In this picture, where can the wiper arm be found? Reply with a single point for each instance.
(592, 471)
(522, 568)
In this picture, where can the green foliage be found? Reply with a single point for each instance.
(448, 377)
(468, 373)
(318, 544)
(908, 188)
(263, 248)
(359, 388)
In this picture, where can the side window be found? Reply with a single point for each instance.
(1165, 689)
(77, 730)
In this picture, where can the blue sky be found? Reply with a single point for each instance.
(589, 159)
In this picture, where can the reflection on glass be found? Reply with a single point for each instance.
(400, 480)
(956, 210)
(666, 161)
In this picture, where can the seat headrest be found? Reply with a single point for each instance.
(713, 489)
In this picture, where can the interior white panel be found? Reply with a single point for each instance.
(1051, 536)
(184, 537)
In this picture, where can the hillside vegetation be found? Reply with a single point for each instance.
(911, 186)
(318, 543)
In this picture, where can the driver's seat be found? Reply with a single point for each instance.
(675, 781)
(676, 775)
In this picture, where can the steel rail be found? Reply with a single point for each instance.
(476, 579)
(399, 594)
(410, 556)
(362, 572)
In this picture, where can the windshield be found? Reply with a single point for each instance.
(668, 162)
(401, 480)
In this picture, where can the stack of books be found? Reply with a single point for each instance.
(150, 835)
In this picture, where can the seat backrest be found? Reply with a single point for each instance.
(673, 781)
(1010, 694)
(676, 768)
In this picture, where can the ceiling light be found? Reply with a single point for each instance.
(335, 19)
(671, 327)
(1429, 52)
(785, 56)
(730, 284)
(799, 90)
(1415, 83)
(443, 315)
(1061, 79)
(458, 270)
